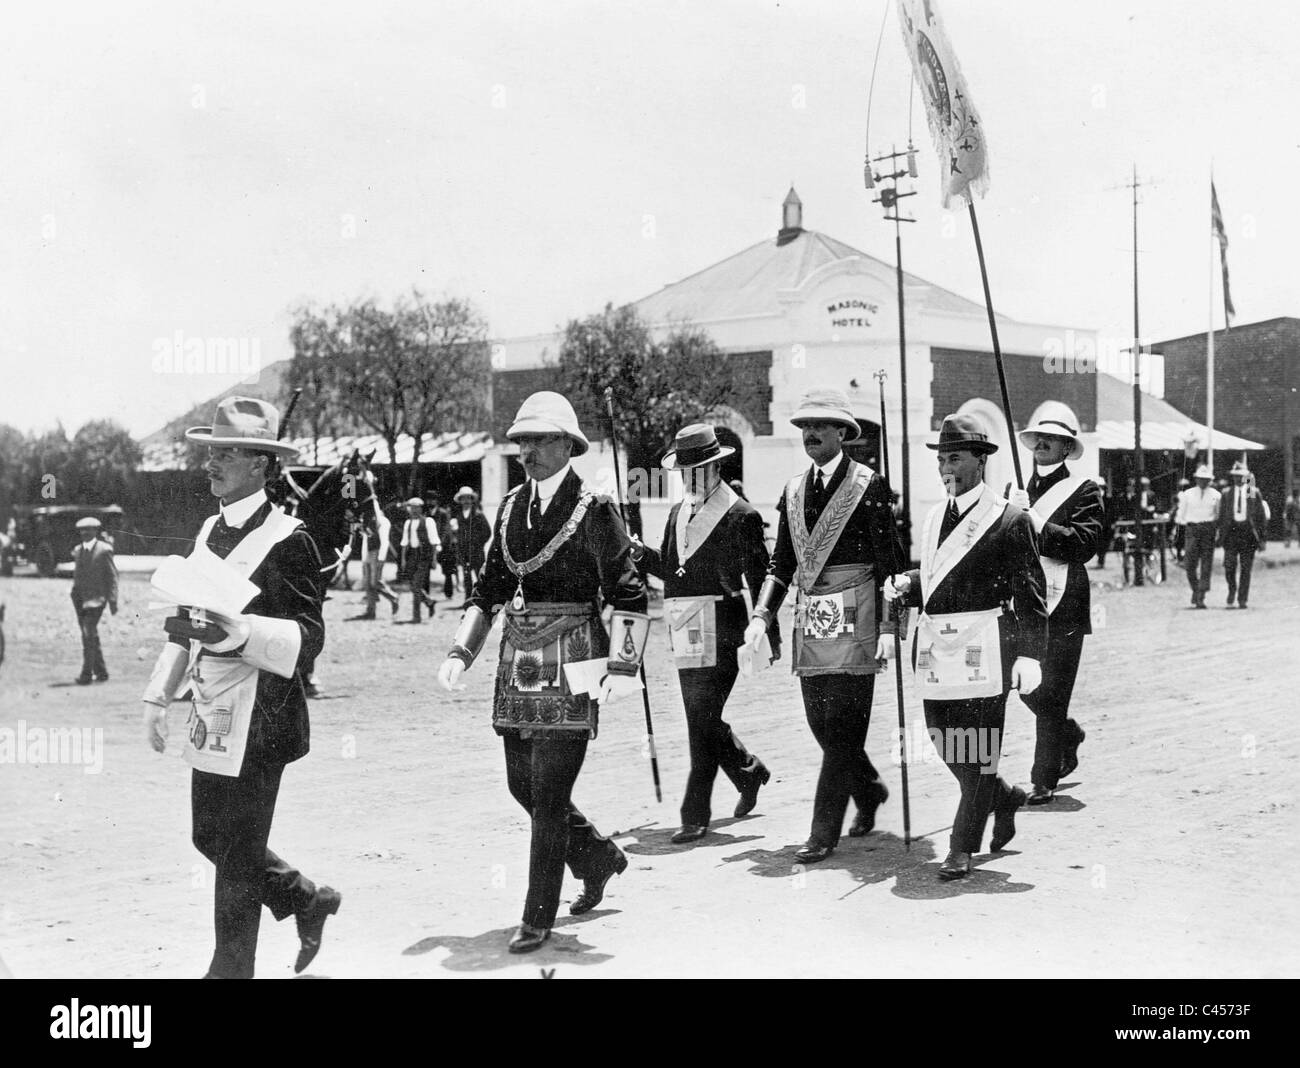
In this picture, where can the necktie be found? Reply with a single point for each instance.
(949, 523)
(1239, 508)
(1035, 484)
(535, 512)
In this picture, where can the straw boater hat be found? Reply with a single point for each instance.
(1203, 472)
(244, 423)
(548, 413)
(1239, 468)
(694, 446)
(89, 523)
(827, 406)
(464, 492)
(963, 432)
(415, 501)
(1055, 421)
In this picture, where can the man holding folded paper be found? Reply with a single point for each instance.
(982, 633)
(249, 620)
(712, 546)
(559, 555)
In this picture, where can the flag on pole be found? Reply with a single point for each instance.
(1216, 221)
(955, 125)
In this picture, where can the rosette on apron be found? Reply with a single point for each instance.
(532, 693)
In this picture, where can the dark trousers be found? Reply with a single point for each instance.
(92, 656)
(469, 578)
(713, 744)
(981, 792)
(418, 565)
(231, 825)
(838, 708)
(540, 773)
(1050, 704)
(449, 566)
(1238, 560)
(1200, 558)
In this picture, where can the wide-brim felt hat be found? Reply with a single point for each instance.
(1056, 426)
(244, 423)
(827, 406)
(1203, 472)
(694, 446)
(963, 432)
(546, 412)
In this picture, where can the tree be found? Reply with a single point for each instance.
(13, 457)
(370, 375)
(103, 460)
(46, 469)
(314, 368)
(659, 387)
(448, 369)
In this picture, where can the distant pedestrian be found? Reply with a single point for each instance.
(1198, 513)
(94, 586)
(1241, 531)
(1291, 518)
(471, 533)
(420, 546)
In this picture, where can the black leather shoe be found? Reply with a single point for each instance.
(749, 795)
(82, 680)
(1243, 606)
(1040, 795)
(956, 865)
(690, 832)
(1070, 756)
(865, 821)
(593, 890)
(812, 852)
(528, 938)
(101, 678)
(1004, 819)
(311, 925)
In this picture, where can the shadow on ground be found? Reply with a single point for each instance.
(487, 952)
(655, 841)
(869, 860)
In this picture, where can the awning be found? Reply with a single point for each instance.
(1118, 434)
(451, 448)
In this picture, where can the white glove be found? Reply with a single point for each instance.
(613, 687)
(449, 674)
(1026, 675)
(155, 726)
(884, 647)
(1020, 498)
(895, 586)
(754, 633)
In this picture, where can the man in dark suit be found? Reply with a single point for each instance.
(94, 586)
(835, 543)
(982, 633)
(559, 552)
(420, 544)
(472, 533)
(246, 672)
(1066, 512)
(712, 547)
(1242, 531)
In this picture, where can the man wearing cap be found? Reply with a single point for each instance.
(1243, 527)
(1066, 512)
(419, 544)
(1198, 514)
(835, 544)
(94, 586)
(982, 633)
(559, 554)
(245, 671)
(472, 533)
(713, 546)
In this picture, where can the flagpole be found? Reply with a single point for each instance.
(997, 349)
(1209, 344)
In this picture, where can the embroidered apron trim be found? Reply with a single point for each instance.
(813, 549)
(835, 628)
(959, 655)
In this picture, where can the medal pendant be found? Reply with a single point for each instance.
(518, 603)
(681, 571)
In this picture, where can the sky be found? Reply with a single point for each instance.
(179, 170)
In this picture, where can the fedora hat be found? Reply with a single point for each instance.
(244, 423)
(963, 432)
(827, 406)
(694, 446)
(464, 492)
(1203, 472)
(546, 412)
(1057, 422)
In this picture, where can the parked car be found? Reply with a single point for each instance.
(46, 536)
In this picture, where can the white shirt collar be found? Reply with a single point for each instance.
(237, 514)
(1049, 469)
(967, 500)
(548, 487)
(829, 469)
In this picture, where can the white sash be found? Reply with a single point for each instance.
(690, 532)
(1056, 571)
(225, 690)
(937, 560)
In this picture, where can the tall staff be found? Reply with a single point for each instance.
(645, 689)
(898, 638)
